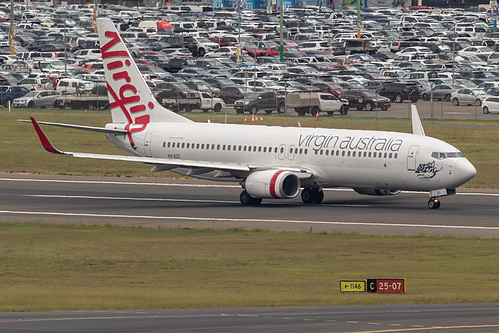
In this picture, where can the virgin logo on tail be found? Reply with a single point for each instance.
(119, 64)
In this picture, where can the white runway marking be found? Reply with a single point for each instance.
(225, 219)
(195, 185)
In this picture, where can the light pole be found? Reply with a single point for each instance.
(453, 53)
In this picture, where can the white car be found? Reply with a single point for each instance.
(417, 51)
(225, 51)
(490, 104)
(39, 83)
(475, 50)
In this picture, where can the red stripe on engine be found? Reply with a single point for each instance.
(273, 184)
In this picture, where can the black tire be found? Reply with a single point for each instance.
(217, 108)
(455, 102)
(369, 106)
(245, 198)
(425, 97)
(280, 108)
(414, 99)
(384, 109)
(434, 203)
(306, 195)
(201, 52)
(31, 104)
(186, 108)
(254, 109)
(312, 196)
(447, 97)
(301, 113)
(478, 102)
(344, 110)
(248, 200)
(314, 111)
(398, 98)
(486, 110)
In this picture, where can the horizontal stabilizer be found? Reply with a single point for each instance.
(78, 127)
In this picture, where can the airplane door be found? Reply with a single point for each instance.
(411, 158)
(147, 144)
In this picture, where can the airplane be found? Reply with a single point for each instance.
(269, 162)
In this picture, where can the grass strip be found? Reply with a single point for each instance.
(48, 267)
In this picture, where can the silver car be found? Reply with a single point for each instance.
(37, 99)
(465, 97)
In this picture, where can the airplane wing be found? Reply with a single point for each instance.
(161, 164)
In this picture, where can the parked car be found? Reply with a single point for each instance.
(315, 102)
(365, 99)
(230, 94)
(39, 83)
(253, 102)
(37, 99)
(9, 93)
(400, 91)
(464, 97)
(441, 92)
(490, 104)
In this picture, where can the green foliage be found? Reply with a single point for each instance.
(76, 267)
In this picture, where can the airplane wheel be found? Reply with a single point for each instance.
(434, 203)
(248, 200)
(312, 195)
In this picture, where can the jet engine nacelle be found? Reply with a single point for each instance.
(375, 191)
(277, 184)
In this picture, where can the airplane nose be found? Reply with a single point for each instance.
(465, 170)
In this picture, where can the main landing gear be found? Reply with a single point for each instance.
(434, 203)
(248, 200)
(312, 195)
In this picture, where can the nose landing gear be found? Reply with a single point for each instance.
(434, 203)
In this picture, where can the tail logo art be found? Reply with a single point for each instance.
(127, 98)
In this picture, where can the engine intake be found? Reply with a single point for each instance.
(375, 191)
(277, 184)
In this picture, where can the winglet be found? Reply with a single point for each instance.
(417, 127)
(44, 139)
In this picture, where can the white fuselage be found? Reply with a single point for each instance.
(335, 157)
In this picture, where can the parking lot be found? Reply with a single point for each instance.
(211, 59)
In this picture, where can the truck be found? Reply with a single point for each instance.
(87, 102)
(191, 100)
(267, 101)
(9, 93)
(314, 102)
(362, 45)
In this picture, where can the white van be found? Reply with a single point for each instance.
(75, 86)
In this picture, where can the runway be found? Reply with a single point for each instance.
(192, 203)
(439, 318)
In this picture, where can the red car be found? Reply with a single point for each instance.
(329, 87)
(254, 51)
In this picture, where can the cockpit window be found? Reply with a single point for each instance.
(441, 156)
